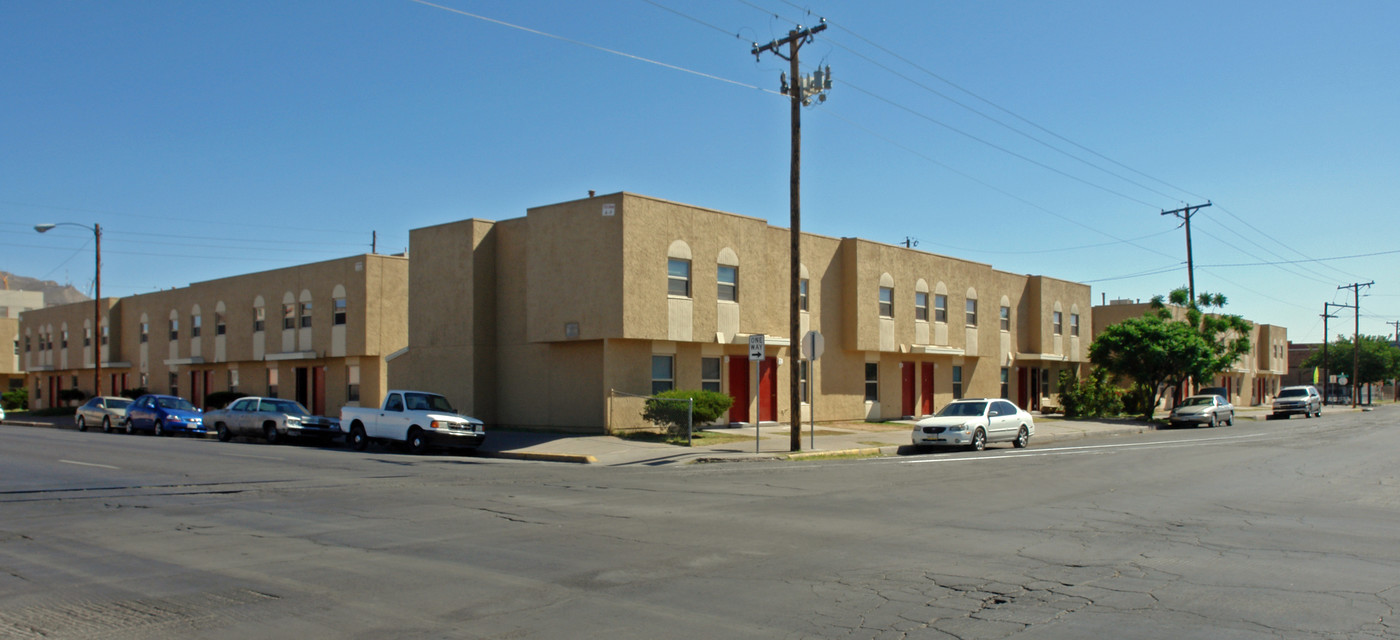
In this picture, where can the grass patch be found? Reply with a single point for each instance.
(699, 438)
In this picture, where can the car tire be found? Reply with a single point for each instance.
(82, 424)
(160, 429)
(1231, 421)
(126, 426)
(357, 439)
(270, 434)
(1023, 438)
(1214, 421)
(106, 424)
(224, 434)
(979, 440)
(417, 442)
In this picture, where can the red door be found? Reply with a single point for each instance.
(926, 391)
(906, 383)
(1023, 388)
(739, 389)
(768, 389)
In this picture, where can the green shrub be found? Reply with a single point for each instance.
(72, 395)
(17, 398)
(221, 399)
(1092, 397)
(1139, 400)
(134, 393)
(669, 409)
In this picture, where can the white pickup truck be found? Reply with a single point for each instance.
(420, 419)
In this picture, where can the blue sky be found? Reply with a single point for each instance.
(215, 138)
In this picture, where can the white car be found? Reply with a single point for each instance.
(974, 422)
(1302, 399)
(1209, 410)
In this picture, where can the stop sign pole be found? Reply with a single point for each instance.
(812, 346)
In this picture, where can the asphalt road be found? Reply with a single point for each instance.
(1278, 529)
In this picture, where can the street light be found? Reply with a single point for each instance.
(96, 230)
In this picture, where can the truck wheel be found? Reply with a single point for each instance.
(357, 440)
(417, 442)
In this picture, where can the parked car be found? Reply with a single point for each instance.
(103, 410)
(1302, 399)
(974, 422)
(272, 419)
(1214, 391)
(1206, 409)
(2, 415)
(164, 415)
(421, 420)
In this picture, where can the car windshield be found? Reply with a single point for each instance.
(1292, 393)
(427, 402)
(116, 403)
(962, 409)
(178, 404)
(288, 407)
(1197, 401)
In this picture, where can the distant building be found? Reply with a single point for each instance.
(318, 333)
(13, 303)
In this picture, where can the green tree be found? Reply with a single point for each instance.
(17, 398)
(1092, 397)
(1379, 359)
(1160, 352)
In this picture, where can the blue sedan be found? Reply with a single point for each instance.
(164, 415)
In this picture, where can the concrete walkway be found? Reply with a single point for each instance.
(772, 442)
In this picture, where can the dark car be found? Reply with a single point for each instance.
(164, 415)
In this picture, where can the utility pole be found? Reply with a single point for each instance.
(801, 92)
(1356, 337)
(910, 242)
(1326, 365)
(1185, 214)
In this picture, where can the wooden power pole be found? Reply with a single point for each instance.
(1185, 214)
(801, 92)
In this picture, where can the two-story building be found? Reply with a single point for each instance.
(563, 317)
(318, 333)
(13, 303)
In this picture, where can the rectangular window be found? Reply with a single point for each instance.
(339, 311)
(1074, 324)
(804, 391)
(106, 335)
(289, 316)
(87, 336)
(352, 389)
(220, 324)
(64, 338)
(957, 382)
(174, 329)
(678, 277)
(872, 382)
(921, 306)
(709, 374)
(728, 278)
(145, 331)
(663, 377)
(940, 308)
(1005, 383)
(196, 326)
(802, 294)
(305, 315)
(972, 313)
(886, 302)
(272, 383)
(233, 380)
(1006, 318)
(259, 319)
(174, 383)
(26, 344)
(1059, 322)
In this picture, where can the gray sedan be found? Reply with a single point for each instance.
(272, 419)
(1209, 410)
(102, 410)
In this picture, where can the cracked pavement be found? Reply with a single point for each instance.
(1283, 530)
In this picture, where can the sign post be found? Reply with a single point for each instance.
(756, 355)
(812, 346)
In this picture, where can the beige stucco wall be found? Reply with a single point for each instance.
(374, 287)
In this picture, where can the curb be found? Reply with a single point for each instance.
(836, 453)
(576, 458)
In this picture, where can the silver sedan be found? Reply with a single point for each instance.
(101, 410)
(1209, 410)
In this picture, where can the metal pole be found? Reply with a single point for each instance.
(690, 421)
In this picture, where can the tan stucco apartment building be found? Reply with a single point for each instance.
(1254, 379)
(13, 303)
(560, 318)
(318, 333)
